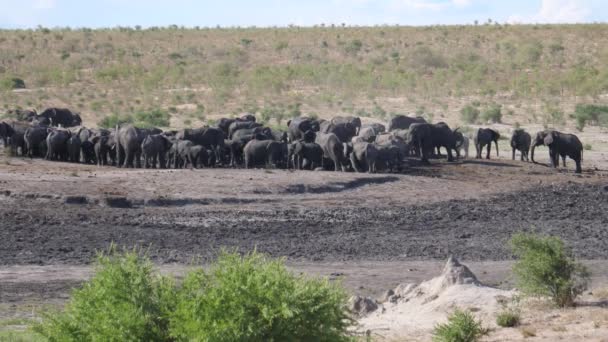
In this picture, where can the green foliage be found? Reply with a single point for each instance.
(253, 298)
(112, 120)
(240, 298)
(546, 268)
(10, 83)
(469, 114)
(554, 115)
(123, 301)
(354, 46)
(461, 327)
(492, 113)
(508, 318)
(590, 114)
(587, 147)
(152, 118)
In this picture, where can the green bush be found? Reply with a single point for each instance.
(546, 268)
(10, 83)
(507, 318)
(493, 113)
(253, 298)
(461, 327)
(153, 118)
(112, 120)
(123, 301)
(469, 114)
(590, 114)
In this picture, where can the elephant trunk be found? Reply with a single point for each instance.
(532, 152)
(496, 142)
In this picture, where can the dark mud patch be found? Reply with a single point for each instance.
(338, 186)
(469, 229)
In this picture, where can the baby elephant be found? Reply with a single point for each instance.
(307, 155)
(520, 141)
(364, 155)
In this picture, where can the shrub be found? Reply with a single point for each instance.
(546, 268)
(461, 327)
(507, 318)
(156, 118)
(113, 120)
(252, 298)
(10, 83)
(469, 114)
(590, 113)
(122, 302)
(587, 147)
(493, 113)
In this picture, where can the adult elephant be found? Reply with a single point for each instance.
(33, 136)
(560, 144)
(485, 137)
(345, 131)
(87, 150)
(443, 136)
(520, 141)
(61, 117)
(420, 139)
(6, 132)
(403, 122)
(305, 155)
(211, 138)
(300, 125)
(102, 144)
(154, 149)
(333, 150)
(366, 134)
(238, 125)
(56, 143)
(355, 121)
(268, 153)
(128, 144)
(74, 145)
(364, 157)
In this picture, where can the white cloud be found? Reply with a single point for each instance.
(462, 3)
(431, 5)
(556, 11)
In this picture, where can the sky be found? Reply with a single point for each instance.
(263, 13)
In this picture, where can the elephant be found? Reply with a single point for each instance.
(333, 150)
(353, 120)
(102, 147)
(267, 152)
(199, 156)
(73, 146)
(128, 144)
(180, 153)
(241, 138)
(154, 148)
(61, 117)
(344, 131)
(366, 134)
(280, 136)
(211, 138)
(305, 154)
(485, 136)
(462, 144)
(6, 132)
(403, 122)
(389, 157)
(364, 156)
(420, 139)
(22, 114)
(560, 144)
(33, 136)
(238, 125)
(56, 142)
(87, 150)
(443, 136)
(298, 126)
(247, 117)
(520, 140)
(377, 127)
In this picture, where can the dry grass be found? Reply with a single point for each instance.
(198, 74)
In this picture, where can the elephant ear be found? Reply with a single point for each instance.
(548, 139)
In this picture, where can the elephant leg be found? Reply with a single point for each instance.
(578, 166)
(450, 156)
(513, 153)
(521, 157)
(564, 160)
(354, 162)
(488, 150)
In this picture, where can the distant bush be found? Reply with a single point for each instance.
(546, 268)
(507, 318)
(10, 83)
(425, 58)
(590, 114)
(587, 147)
(461, 327)
(469, 114)
(153, 118)
(112, 120)
(493, 113)
(354, 46)
(123, 301)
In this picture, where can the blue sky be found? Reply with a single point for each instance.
(110, 13)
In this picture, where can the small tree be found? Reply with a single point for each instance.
(469, 114)
(493, 113)
(461, 327)
(546, 268)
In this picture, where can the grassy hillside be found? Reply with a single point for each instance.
(537, 73)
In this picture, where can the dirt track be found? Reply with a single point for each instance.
(57, 213)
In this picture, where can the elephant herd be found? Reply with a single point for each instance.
(341, 144)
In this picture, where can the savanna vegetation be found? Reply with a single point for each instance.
(537, 73)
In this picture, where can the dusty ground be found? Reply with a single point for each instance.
(370, 231)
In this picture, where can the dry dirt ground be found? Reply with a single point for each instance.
(370, 231)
